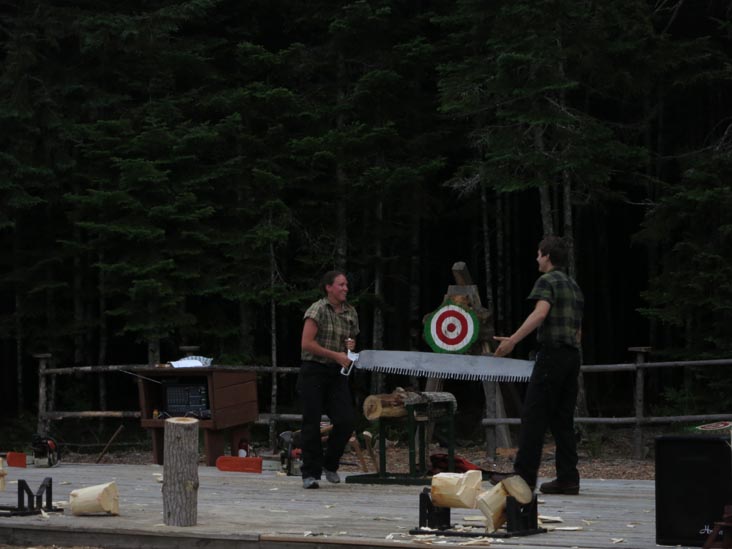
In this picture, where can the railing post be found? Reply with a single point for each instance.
(640, 358)
(42, 426)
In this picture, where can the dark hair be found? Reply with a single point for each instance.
(329, 278)
(556, 248)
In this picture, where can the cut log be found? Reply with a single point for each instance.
(517, 487)
(492, 504)
(394, 404)
(94, 500)
(180, 472)
(456, 489)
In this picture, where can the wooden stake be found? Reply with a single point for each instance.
(104, 451)
(180, 472)
(353, 441)
(92, 500)
(3, 472)
(368, 439)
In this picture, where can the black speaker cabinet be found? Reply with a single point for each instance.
(693, 484)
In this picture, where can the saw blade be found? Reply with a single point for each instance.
(445, 365)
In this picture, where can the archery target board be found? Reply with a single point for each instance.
(718, 426)
(451, 329)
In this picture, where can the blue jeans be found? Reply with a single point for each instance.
(323, 390)
(549, 403)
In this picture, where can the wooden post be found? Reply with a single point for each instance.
(640, 358)
(180, 472)
(3, 472)
(42, 425)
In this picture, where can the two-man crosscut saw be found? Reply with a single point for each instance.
(441, 365)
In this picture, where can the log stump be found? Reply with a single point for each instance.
(180, 472)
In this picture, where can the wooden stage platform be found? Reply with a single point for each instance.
(270, 511)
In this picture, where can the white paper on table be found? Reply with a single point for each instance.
(186, 363)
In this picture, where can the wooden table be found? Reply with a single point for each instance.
(232, 398)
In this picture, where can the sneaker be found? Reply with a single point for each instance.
(558, 487)
(332, 476)
(310, 483)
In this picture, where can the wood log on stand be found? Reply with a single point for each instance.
(492, 503)
(92, 500)
(394, 404)
(456, 489)
(180, 472)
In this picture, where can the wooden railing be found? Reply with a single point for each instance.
(47, 413)
(640, 366)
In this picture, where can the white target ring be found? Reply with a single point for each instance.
(451, 329)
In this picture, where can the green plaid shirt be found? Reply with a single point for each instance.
(565, 316)
(333, 328)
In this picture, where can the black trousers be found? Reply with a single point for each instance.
(323, 390)
(549, 403)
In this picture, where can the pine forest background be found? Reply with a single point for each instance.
(183, 172)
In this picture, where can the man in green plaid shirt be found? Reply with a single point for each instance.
(552, 393)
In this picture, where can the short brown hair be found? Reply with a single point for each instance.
(329, 278)
(556, 248)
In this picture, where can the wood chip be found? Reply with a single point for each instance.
(617, 540)
(547, 518)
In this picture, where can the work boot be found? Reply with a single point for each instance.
(331, 476)
(557, 486)
(310, 483)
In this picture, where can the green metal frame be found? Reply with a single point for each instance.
(418, 417)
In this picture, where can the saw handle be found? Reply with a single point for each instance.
(347, 371)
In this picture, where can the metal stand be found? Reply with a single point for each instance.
(418, 417)
(522, 520)
(34, 504)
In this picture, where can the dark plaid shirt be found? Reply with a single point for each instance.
(564, 320)
(333, 328)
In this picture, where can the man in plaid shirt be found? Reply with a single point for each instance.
(552, 393)
(329, 331)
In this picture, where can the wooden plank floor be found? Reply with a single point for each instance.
(272, 511)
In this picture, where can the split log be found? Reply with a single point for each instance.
(180, 472)
(368, 439)
(3, 473)
(93, 500)
(492, 503)
(394, 404)
(353, 441)
(456, 489)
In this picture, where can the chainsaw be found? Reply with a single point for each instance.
(46, 451)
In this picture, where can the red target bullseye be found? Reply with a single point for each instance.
(451, 329)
